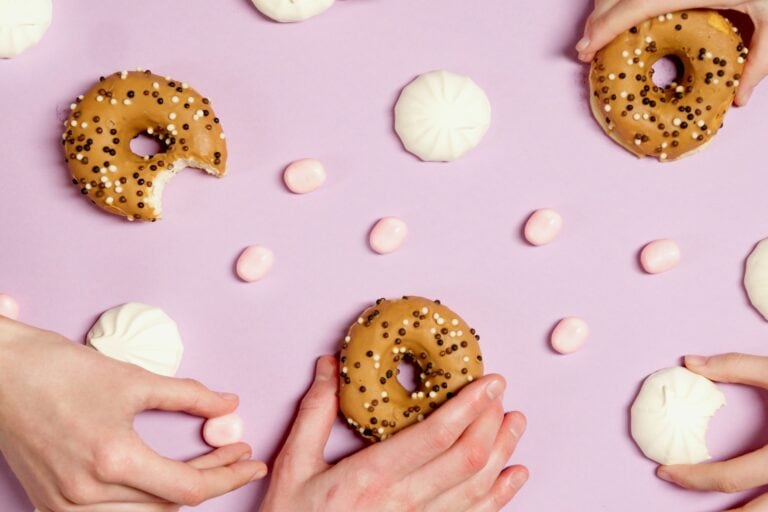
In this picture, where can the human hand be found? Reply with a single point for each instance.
(746, 472)
(66, 416)
(452, 461)
(611, 17)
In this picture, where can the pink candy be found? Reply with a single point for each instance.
(388, 235)
(660, 256)
(224, 430)
(303, 176)
(254, 263)
(569, 335)
(9, 307)
(543, 226)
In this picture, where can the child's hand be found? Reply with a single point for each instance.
(746, 472)
(66, 416)
(452, 461)
(611, 17)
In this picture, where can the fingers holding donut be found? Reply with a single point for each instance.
(757, 65)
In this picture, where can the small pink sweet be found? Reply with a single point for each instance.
(388, 235)
(303, 176)
(254, 263)
(543, 226)
(9, 307)
(569, 335)
(224, 430)
(660, 256)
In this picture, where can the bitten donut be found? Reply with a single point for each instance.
(412, 329)
(120, 107)
(673, 121)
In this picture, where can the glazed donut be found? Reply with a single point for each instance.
(120, 107)
(668, 122)
(411, 329)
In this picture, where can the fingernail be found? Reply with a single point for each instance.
(518, 478)
(664, 474)
(696, 360)
(744, 98)
(582, 44)
(323, 369)
(244, 457)
(495, 389)
(518, 426)
(261, 473)
(228, 396)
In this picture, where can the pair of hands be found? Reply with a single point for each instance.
(612, 17)
(66, 430)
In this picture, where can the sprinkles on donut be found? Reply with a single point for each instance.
(117, 109)
(673, 121)
(412, 329)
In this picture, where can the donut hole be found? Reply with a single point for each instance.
(668, 71)
(408, 373)
(146, 145)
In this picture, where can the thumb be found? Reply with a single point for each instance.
(187, 395)
(731, 368)
(756, 68)
(305, 445)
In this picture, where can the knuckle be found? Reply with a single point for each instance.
(441, 438)
(474, 457)
(727, 485)
(474, 490)
(313, 400)
(77, 490)
(111, 461)
(191, 494)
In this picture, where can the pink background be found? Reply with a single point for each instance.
(326, 88)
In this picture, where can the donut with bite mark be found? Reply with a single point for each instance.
(102, 123)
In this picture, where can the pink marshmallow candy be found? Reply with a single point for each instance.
(9, 307)
(569, 335)
(303, 176)
(224, 430)
(543, 226)
(254, 263)
(660, 256)
(388, 235)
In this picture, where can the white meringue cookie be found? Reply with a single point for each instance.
(441, 115)
(141, 335)
(287, 11)
(756, 278)
(22, 25)
(671, 414)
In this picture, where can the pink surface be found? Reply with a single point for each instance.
(326, 88)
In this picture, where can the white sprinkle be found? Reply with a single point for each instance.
(376, 357)
(716, 81)
(470, 378)
(421, 394)
(708, 55)
(103, 179)
(432, 394)
(676, 121)
(646, 116)
(636, 117)
(402, 350)
(695, 135)
(99, 98)
(79, 156)
(377, 365)
(648, 39)
(113, 101)
(700, 122)
(641, 64)
(384, 394)
(630, 62)
(381, 430)
(433, 330)
(87, 186)
(420, 417)
(118, 189)
(736, 83)
(740, 60)
(366, 405)
(109, 200)
(124, 75)
(669, 16)
(425, 310)
(414, 395)
(453, 334)
(465, 359)
(624, 94)
(440, 321)
(638, 52)
(190, 100)
(126, 101)
(360, 320)
(103, 170)
(607, 108)
(199, 113)
(347, 339)
(155, 85)
(222, 136)
(460, 333)
(663, 156)
(171, 127)
(394, 350)
(611, 76)
(74, 123)
(81, 97)
(454, 322)
(679, 88)
(664, 145)
(638, 142)
(175, 99)
(661, 18)
(150, 131)
(625, 54)
(172, 116)
(73, 106)
(406, 322)
(184, 85)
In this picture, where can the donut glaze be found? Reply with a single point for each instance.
(668, 122)
(411, 329)
(120, 107)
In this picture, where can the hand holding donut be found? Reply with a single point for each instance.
(66, 415)
(452, 461)
(611, 17)
(746, 472)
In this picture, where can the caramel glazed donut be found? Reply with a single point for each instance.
(103, 122)
(670, 122)
(411, 329)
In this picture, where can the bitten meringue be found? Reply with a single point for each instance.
(287, 11)
(671, 414)
(141, 335)
(23, 23)
(756, 278)
(440, 116)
